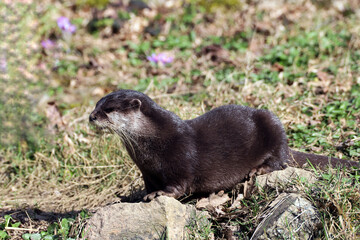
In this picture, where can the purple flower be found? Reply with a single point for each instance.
(47, 44)
(160, 58)
(65, 25)
(3, 63)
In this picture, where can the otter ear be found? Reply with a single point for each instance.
(135, 103)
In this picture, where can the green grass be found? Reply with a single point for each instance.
(65, 228)
(305, 71)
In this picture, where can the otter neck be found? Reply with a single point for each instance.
(145, 150)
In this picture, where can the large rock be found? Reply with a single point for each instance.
(284, 177)
(289, 216)
(162, 218)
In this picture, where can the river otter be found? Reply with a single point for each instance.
(212, 152)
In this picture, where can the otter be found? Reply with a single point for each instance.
(212, 152)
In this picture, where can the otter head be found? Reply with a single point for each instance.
(123, 112)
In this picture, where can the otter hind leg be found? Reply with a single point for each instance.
(260, 170)
(272, 163)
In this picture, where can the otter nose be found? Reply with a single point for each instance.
(92, 117)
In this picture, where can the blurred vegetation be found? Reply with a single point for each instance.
(20, 123)
(100, 4)
(215, 5)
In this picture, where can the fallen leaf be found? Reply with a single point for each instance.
(256, 46)
(213, 201)
(248, 187)
(69, 143)
(263, 27)
(54, 116)
(216, 53)
(236, 204)
(323, 76)
(98, 92)
(278, 67)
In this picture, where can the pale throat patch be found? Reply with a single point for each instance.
(134, 121)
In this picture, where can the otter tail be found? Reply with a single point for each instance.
(300, 158)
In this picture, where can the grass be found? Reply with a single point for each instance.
(303, 66)
(65, 228)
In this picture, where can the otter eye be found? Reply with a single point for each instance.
(108, 110)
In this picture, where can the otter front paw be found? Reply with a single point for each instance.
(155, 194)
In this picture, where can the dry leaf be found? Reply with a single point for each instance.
(278, 67)
(263, 27)
(213, 201)
(256, 46)
(216, 53)
(69, 143)
(54, 116)
(236, 204)
(98, 91)
(323, 76)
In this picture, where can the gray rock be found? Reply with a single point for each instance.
(162, 218)
(284, 177)
(289, 216)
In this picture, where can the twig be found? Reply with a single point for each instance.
(108, 166)
(174, 94)
(21, 229)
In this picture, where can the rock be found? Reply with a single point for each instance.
(283, 177)
(162, 218)
(289, 216)
(137, 5)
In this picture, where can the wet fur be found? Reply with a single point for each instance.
(212, 152)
